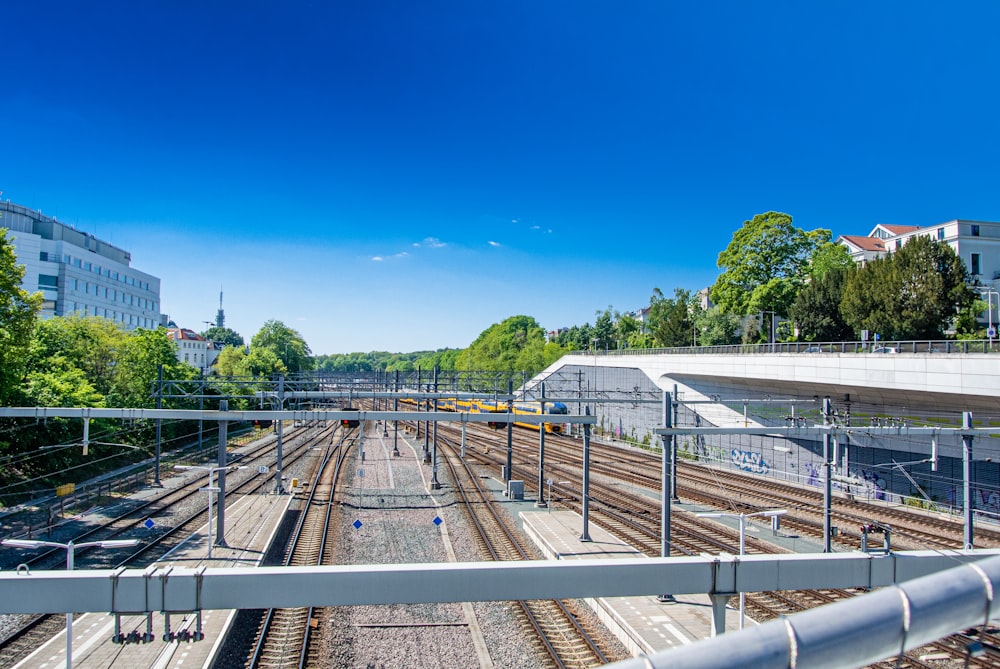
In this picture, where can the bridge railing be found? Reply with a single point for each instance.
(924, 346)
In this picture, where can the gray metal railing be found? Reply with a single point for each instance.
(925, 346)
(853, 633)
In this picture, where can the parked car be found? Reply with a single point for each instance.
(813, 349)
(885, 349)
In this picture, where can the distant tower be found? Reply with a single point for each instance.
(220, 315)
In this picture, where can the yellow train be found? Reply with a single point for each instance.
(489, 406)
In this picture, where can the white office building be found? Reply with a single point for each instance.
(78, 273)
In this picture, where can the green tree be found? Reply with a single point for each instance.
(717, 328)
(229, 361)
(60, 384)
(671, 320)
(604, 331)
(913, 293)
(628, 332)
(224, 336)
(816, 311)
(88, 343)
(443, 359)
(516, 344)
(137, 367)
(261, 362)
(764, 265)
(576, 338)
(287, 344)
(18, 311)
(829, 256)
(967, 321)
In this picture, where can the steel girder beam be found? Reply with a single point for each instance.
(182, 589)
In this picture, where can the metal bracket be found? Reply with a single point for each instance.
(184, 634)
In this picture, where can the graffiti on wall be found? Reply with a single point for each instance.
(982, 499)
(750, 461)
(812, 473)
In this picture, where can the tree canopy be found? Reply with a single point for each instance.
(85, 361)
(516, 344)
(764, 265)
(817, 311)
(18, 310)
(671, 320)
(913, 293)
(287, 345)
(717, 328)
(224, 336)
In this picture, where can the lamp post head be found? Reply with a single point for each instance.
(770, 514)
(117, 543)
(24, 543)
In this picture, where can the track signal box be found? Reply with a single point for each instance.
(350, 422)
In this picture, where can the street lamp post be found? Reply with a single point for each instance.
(771, 330)
(989, 303)
(211, 489)
(771, 513)
(70, 549)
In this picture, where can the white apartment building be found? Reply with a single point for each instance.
(977, 243)
(193, 349)
(78, 273)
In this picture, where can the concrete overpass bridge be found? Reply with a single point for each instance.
(925, 384)
(960, 381)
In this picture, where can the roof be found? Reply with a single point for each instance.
(865, 243)
(183, 333)
(892, 230)
(899, 229)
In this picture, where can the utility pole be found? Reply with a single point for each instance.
(159, 426)
(827, 481)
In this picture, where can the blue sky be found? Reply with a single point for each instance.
(399, 175)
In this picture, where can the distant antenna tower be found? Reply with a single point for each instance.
(220, 315)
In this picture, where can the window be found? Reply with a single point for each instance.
(43, 256)
(940, 234)
(975, 264)
(47, 282)
(899, 244)
(974, 231)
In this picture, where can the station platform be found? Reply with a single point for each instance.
(251, 523)
(643, 624)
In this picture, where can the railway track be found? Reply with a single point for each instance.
(561, 636)
(35, 630)
(286, 636)
(635, 519)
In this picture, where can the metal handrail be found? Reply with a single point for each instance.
(851, 633)
(922, 346)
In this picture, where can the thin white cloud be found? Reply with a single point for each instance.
(432, 242)
(402, 254)
(493, 244)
